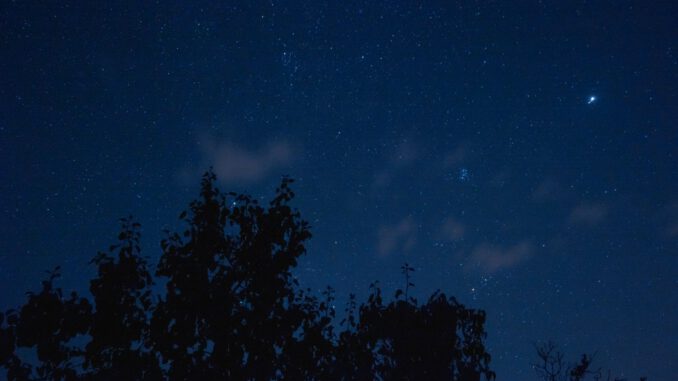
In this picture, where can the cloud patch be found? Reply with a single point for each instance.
(456, 157)
(236, 164)
(398, 237)
(492, 258)
(588, 214)
(452, 230)
(672, 231)
(671, 214)
(547, 190)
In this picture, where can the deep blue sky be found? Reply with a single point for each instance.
(462, 139)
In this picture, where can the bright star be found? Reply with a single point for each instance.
(592, 99)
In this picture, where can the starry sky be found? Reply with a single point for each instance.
(521, 156)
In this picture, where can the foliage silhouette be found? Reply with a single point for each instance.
(551, 366)
(231, 309)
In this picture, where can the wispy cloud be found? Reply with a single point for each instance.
(233, 163)
(457, 156)
(398, 237)
(492, 258)
(547, 190)
(588, 214)
(672, 230)
(452, 230)
(671, 214)
(405, 154)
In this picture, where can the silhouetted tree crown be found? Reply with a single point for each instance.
(232, 310)
(552, 366)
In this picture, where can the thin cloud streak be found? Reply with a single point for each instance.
(588, 214)
(398, 237)
(493, 258)
(235, 164)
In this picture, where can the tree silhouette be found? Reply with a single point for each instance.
(118, 326)
(551, 366)
(232, 310)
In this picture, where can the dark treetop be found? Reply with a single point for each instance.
(232, 310)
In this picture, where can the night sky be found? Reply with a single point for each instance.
(520, 156)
